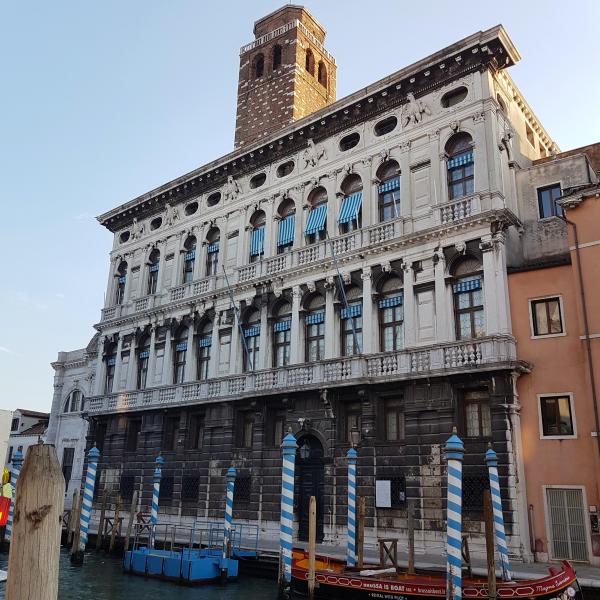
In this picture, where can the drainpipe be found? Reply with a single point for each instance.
(586, 331)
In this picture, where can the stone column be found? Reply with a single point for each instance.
(99, 379)
(151, 358)
(167, 374)
(118, 365)
(160, 281)
(133, 362)
(264, 341)
(410, 314)
(190, 356)
(443, 300)
(237, 354)
(297, 339)
(109, 299)
(215, 348)
(368, 192)
(332, 342)
(271, 227)
(177, 275)
(406, 201)
(330, 184)
(369, 314)
(504, 318)
(495, 297)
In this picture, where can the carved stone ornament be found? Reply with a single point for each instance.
(137, 229)
(231, 189)
(171, 215)
(311, 287)
(313, 154)
(479, 117)
(413, 110)
(386, 266)
(460, 247)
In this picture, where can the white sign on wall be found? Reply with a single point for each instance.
(383, 493)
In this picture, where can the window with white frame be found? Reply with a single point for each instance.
(391, 315)
(203, 352)
(556, 416)
(282, 337)
(546, 316)
(74, 402)
(547, 201)
(212, 251)
(189, 259)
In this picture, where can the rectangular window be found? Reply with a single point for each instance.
(14, 426)
(353, 420)
(394, 420)
(245, 429)
(203, 358)
(389, 199)
(351, 326)
(167, 483)
(134, 426)
(242, 491)
(315, 336)
(212, 258)
(190, 486)
(547, 201)
(111, 361)
(468, 308)
(546, 316)
(196, 432)
(281, 347)
(397, 492)
(10, 453)
(472, 492)
(142, 375)
(188, 266)
(170, 433)
(251, 349)
(179, 362)
(67, 464)
(460, 175)
(477, 417)
(126, 486)
(152, 280)
(391, 323)
(556, 416)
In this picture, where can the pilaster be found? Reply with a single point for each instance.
(297, 344)
(369, 316)
(410, 315)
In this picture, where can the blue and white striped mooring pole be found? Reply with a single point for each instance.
(155, 493)
(88, 497)
(286, 524)
(17, 463)
(351, 548)
(228, 512)
(454, 451)
(491, 458)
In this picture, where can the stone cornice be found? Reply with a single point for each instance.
(491, 49)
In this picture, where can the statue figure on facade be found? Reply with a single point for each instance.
(137, 229)
(312, 155)
(171, 215)
(231, 190)
(413, 110)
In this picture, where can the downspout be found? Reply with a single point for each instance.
(586, 332)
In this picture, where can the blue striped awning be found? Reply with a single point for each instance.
(282, 325)
(191, 255)
(286, 231)
(350, 208)
(354, 310)
(316, 219)
(212, 247)
(390, 302)
(111, 361)
(467, 285)
(252, 331)
(257, 241)
(466, 158)
(153, 267)
(181, 346)
(144, 354)
(121, 279)
(315, 318)
(205, 342)
(390, 185)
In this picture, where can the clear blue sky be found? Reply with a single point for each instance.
(102, 101)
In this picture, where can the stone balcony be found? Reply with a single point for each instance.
(489, 353)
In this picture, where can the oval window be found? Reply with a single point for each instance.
(191, 208)
(213, 199)
(386, 126)
(155, 223)
(124, 237)
(454, 97)
(285, 169)
(349, 141)
(257, 180)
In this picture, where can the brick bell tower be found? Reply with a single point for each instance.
(285, 74)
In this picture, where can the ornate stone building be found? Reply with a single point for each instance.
(342, 269)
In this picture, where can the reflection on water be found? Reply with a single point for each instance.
(101, 578)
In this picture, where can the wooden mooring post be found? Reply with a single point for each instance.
(72, 517)
(37, 524)
(76, 530)
(312, 545)
(100, 533)
(489, 543)
(132, 512)
(411, 535)
(360, 531)
(115, 524)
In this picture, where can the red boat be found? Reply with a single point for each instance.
(335, 580)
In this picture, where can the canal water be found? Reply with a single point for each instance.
(101, 578)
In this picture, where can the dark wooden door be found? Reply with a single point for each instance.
(310, 482)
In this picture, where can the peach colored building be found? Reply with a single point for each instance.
(556, 322)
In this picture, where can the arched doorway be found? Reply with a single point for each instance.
(310, 482)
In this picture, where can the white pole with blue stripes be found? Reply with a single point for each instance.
(351, 455)
(491, 458)
(88, 497)
(17, 463)
(454, 451)
(286, 524)
(155, 494)
(231, 474)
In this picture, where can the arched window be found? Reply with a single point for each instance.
(314, 322)
(316, 223)
(351, 322)
(322, 74)
(259, 66)
(252, 339)
(180, 354)
(468, 299)
(309, 62)
(110, 361)
(285, 234)
(257, 236)
(350, 209)
(153, 271)
(389, 190)
(204, 346)
(212, 251)
(189, 259)
(143, 360)
(282, 326)
(276, 57)
(74, 402)
(459, 150)
(391, 315)
(121, 278)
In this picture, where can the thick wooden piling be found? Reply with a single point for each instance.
(100, 533)
(37, 524)
(132, 511)
(489, 543)
(72, 517)
(411, 535)
(75, 540)
(312, 545)
(115, 525)
(360, 531)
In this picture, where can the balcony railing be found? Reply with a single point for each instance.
(492, 352)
